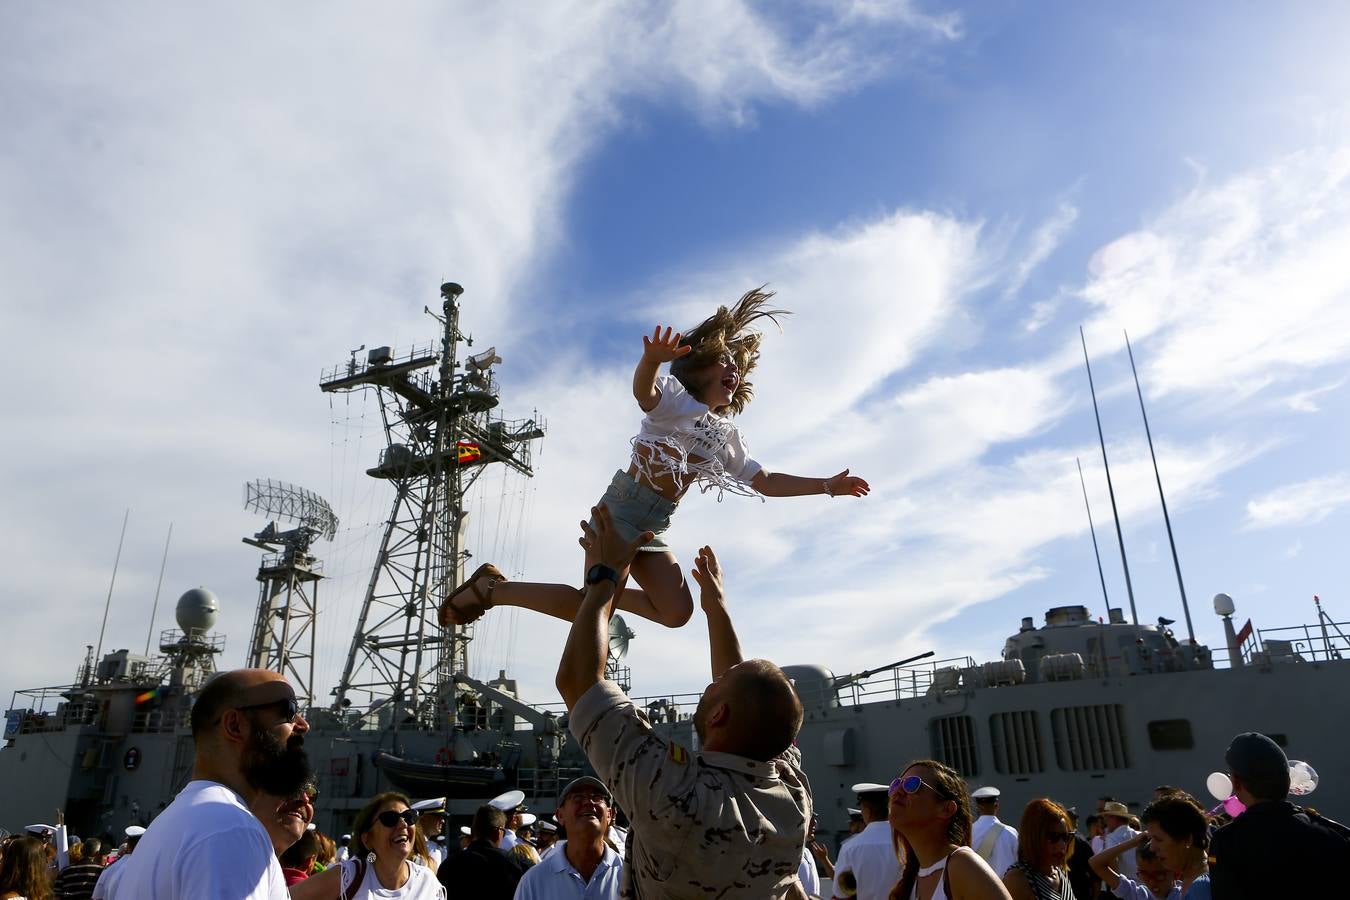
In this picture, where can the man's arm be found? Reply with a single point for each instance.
(723, 644)
(583, 659)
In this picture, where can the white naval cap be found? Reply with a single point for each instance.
(868, 787)
(346, 837)
(43, 830)
(134, 831)
(854, 812)
(311, 827)
(465, 830)
(546, 825)
(986, 793)
(528, 819)
(508, 801)
(434, 805)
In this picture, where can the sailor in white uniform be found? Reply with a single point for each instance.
(992, 839)
(431, 821)
(511, 803)
(867, 862)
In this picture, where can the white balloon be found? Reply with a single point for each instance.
(1302, 778)
(1219, 785)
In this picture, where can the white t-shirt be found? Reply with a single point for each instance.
(421, 884)
(870, 856)
(680, 427)
(1003, 853)
(206, 845)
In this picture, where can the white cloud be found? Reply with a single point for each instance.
(1302, 503)
(1239, 285)
(1044, 241)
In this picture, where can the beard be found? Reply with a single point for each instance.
(273, 767)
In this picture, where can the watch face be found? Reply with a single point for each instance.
(600, 572)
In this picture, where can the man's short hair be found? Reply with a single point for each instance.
(92, 848)
(876, 804)
(767, 709)
(295, 855)
(236, 689)
(486, 821)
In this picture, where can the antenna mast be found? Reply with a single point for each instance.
(1176, 561)
(1092, 529)
(288, 601)
(1115, 513)
(441, 433)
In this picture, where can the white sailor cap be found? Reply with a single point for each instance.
(986, 793)
(134, 831)
(528, 819)
(346, 837)
(465, 830)
(40, 830)
(434, 806)
(508, 801)
(868, 787)
(311, 827)
(440, 839)
(546, 825)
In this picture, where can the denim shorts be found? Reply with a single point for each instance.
(636, 508)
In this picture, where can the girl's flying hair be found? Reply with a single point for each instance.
(727, 331)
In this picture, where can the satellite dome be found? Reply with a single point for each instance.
(196, 610)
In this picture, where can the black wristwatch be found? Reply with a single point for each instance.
(599, 572)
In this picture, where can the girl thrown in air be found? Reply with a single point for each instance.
(687, 437)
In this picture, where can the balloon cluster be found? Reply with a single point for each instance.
(1302, 781)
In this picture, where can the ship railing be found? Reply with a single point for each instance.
(29, 713)
(909, 682)
(357, 367)
(1308, 643)
(285, 560)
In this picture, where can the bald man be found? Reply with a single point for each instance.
(248, 737)
(729, 820)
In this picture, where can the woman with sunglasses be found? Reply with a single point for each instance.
(1044, 842)
(930, 822)
(383, 838)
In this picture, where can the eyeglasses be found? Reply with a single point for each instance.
(584, 797)
(910, 784)
(292, 708)
(1059, 837)
(389, 818)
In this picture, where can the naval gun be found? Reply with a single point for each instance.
(818, 687)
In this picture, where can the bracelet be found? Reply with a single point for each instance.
(825, 487)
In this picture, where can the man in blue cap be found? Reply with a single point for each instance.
(1274, 849)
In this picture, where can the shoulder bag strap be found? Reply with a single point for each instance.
(357, 878)
(986, 848)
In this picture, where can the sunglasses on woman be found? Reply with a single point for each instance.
(389, 818)
(1059, 837)
(910, 784)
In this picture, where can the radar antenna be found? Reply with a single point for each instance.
(620, 636)
(288, 599)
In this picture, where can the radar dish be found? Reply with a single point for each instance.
(293, 503)
(619, 637)
(196, 610)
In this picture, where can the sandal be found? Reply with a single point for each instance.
(477, 603)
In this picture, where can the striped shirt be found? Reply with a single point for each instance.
(77, 882)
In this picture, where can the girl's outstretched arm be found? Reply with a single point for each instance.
(657, 349)
(780, 484)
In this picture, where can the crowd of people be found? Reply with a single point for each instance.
(734, 819)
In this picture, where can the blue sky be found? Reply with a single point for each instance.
(200, 209)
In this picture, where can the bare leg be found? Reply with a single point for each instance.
(664, 596)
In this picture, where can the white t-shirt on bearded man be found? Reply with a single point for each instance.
(205, 845)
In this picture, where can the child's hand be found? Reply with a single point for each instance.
(846, 485)
(708, 573)
(662, 348)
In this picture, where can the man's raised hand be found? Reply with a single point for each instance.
(604, 544)
(662, 348)
(708, 573)
(846, 485)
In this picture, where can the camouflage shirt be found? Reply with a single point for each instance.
(705, 825)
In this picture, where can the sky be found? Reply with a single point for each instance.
(203, 206)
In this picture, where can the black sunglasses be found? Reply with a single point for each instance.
(292, 707)
(389, 818)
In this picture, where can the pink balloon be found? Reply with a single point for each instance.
(1234, 807)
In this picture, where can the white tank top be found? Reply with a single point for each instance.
(938, 892)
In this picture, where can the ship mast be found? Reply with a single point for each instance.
(441, 434)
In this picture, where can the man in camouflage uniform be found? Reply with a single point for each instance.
(728, 821)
